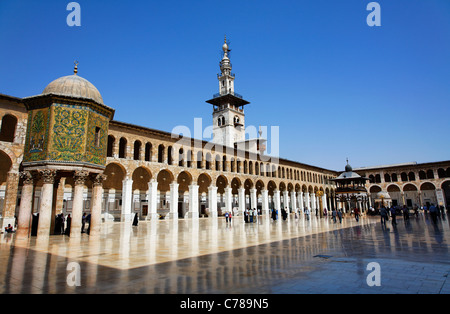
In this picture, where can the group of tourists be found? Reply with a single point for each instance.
(392, 213)
(250, 215)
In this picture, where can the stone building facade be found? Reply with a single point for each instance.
(62, 152)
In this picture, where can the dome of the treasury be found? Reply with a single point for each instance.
(73, 86)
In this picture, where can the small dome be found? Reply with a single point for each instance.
(73, 86)
(348, 168)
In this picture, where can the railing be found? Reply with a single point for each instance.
(228, 93)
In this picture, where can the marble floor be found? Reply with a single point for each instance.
(208, 256)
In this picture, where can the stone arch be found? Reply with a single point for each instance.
(221, 183)
(184, 179)
(141, 177)
(409, 187)
(374, 189)
(203, 181)
(5, 166)
(271, 187)
(115, 174)
(259, 185)
(427, 186)
(235, 185)
(164, 178)
(393, 188)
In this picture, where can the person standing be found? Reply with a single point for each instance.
(356, 211)
(405, 212)
(255, 214)
(135, 220)
(384, 215)
(333, 215)
(307, 213)
(83, 222)
(433, 213)
(339, 213)
(393, 216)
(226, 216)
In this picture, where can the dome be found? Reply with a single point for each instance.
(73, 86)
(348, 168)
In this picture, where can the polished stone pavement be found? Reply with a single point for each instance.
(209, 256)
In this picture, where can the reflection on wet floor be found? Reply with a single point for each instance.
(210, 256)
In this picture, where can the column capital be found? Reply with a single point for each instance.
(80, 177)
(48, 175)
(27, 177)
(98, 179)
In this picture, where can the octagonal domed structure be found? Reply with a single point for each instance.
(73, 86)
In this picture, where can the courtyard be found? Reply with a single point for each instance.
(211, 256)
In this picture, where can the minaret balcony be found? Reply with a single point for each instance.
(228, 93)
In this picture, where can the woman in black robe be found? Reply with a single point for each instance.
(135, 220)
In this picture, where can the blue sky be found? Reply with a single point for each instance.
(336, 87)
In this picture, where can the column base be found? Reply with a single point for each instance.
(191, 215)
(171, 216)
(154, 216)
(126, 217)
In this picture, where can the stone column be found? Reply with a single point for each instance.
(276, 195)
(212, 201)
(228, 199)
(286, 200)
(241, 196)
(293, 202)
(265, 202)
(313, 203)
(77, 210)
(152, 198)
(26, 201)
(193, 202)
(9, 206)
(45, 209)
(300, 201)
(253, 198)
(173, 199)
(308, 205)
(96, 212)
(127, 198)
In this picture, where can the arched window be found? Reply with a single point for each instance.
(148, 152)
(404, 176)
(430, 174)
(411, 176)
(387, 177)
(224, 163)
(208, 161)
(169, 155)
(8, 129)
(394, 177)
(199, 159)
(137, 150)
(110, 147)
(123, 148)
(181, 157)
(161, 153)
(422, 175)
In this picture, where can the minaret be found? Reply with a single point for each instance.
(228, 106)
